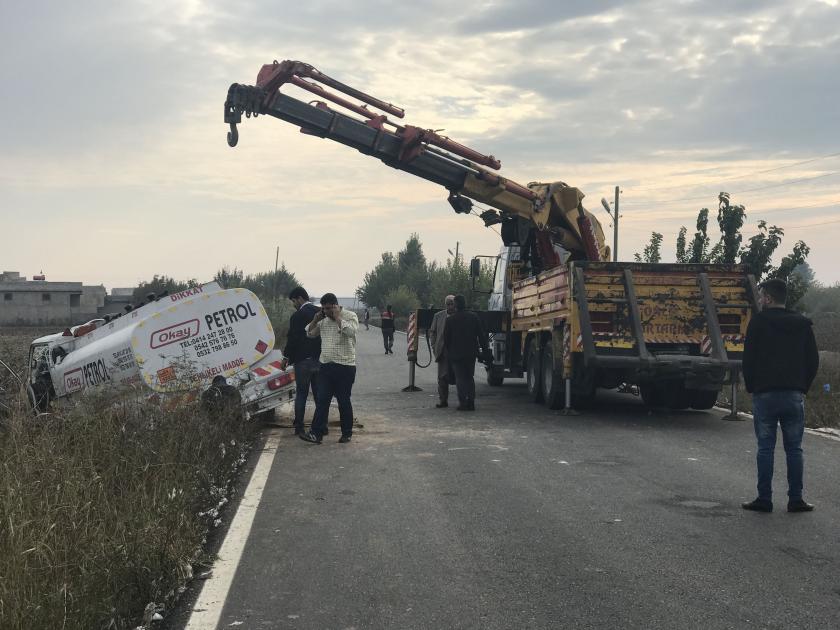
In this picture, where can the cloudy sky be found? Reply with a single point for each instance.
(115, 166)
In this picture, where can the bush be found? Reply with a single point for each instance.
(105, 506)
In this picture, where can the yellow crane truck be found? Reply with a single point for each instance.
(561, 314)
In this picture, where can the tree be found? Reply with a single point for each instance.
(760, 248)
(403, 300)
(426, 281)
(730, 221)
(652, 251)
(383, 279)
(797, 283)
(757, 254)
(700, 244)
(682, 254)
(159, 284)
(268, 285)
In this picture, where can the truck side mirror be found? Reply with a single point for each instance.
(475, 268)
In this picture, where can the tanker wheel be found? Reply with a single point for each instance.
(553, 387)
(533, 376)
(703, 398)
(495, 376)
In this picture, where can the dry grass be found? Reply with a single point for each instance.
(104, 506)
(822, 405)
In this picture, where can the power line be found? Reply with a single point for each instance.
(795, 227)
(733, 177)
(733, 194)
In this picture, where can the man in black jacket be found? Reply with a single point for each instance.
(463, 335)
(302, 352)
(779, 364)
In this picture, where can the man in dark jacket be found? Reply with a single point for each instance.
(463, 335)
(386, 319)
(779, 364)
(302, 352)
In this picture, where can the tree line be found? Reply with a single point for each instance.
(408, 281)
(730, 248)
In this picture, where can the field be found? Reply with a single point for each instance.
(105, 505)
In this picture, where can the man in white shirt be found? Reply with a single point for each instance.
(337, 329)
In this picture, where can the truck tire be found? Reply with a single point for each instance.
(39, 397)
(553, 387)
(533, 376)
(676, 395)
(652, 394)
(495, 376)
(703, 398)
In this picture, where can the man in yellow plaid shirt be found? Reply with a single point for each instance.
(337, 329)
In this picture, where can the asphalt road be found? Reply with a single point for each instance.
(517, 517)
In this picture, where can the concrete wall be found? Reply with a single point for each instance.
(37, 303)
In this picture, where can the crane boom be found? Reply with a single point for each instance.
(553, 212)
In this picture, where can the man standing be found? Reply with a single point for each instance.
(780, 363)
(387, 324)
(436, 337)
(337, 329)
(367, 319)
(463, 336)
(302, 352)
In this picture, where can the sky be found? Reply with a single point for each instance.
(114, 164)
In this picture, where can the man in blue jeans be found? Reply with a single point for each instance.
(302, 352)
(337, 329)
(779, 364)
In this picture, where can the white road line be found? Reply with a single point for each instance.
(208, 608)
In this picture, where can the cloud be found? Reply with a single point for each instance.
(113, 118)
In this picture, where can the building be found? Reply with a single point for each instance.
(40, 303)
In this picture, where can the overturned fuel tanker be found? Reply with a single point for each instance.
(171, 348)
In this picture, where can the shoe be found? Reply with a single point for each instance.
(308, 436)
(799, 505)
(441, 405)
(344, 439)
(299, 431)
(759, 505)
(471, 406)
(462, 408)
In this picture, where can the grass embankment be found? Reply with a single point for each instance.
(104, 508)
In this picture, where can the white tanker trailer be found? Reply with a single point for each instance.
(172, 347)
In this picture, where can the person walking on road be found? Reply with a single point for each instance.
(436, 338)
(387, 323)
(780, 362)
(337, 329)
(367, 319)
(463, 336)
(302, 352)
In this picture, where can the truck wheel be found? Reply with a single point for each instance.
(553, 387)
(39, 398)
(703, 398)
(652, 394)
(495, 376)
(676, 395)
(534, 375)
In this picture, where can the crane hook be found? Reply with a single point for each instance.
(233, 135)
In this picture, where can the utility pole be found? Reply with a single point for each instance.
(614, 216)
(276, 260)
(457, 245)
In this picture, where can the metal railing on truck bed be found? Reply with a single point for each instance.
(661, 315)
